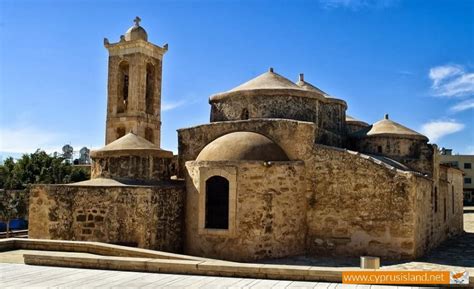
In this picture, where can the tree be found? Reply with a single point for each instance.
(35, 168)
(39, 168)
(11, 206)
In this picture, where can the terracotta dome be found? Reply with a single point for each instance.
(240, 146)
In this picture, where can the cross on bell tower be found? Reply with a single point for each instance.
(134, 86)
(137, 21)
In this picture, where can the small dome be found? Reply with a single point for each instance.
(136, 32)
(308, 86)
(131, 144)
(388, 127)
(239, 146)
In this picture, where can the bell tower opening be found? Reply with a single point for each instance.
(120, 132)
(149, 134)
(123, 83)
(150, 88)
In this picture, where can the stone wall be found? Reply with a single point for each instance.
(358, 206)
(270, 211)
(146, 217)
(145, 168)
(416, 154)
(328, 114)
(440, 210)
(355, 126)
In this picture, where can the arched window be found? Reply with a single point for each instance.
(245, 114)
(122, 101)
(149, 134)
(120, 132)
(217, 203)
(150, 85)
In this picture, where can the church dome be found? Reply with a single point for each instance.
(270, 95)
(242, 146)
(131, 144)
(136, 32)
(308, 86)
(273, 84)
(387, 127)
(267, 80)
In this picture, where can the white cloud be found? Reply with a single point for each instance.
(464, 105)
(26, 139)
(451, 81)
(435, 130)
(357, 4)
(165, 106)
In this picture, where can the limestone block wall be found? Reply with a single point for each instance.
(454, 196)
(134, 168)
(333, 118)
(285, 133)
(352, 127)
(357, 206)
(270, 210)
(146, 217)
(416, 154)
(118, 126)
(440, 210)
(324, 112)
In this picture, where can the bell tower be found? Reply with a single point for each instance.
(134, 86)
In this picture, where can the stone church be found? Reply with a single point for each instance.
(279, 171)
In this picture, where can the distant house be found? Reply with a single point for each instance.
(466, 164)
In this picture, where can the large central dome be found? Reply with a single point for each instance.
(242, 146)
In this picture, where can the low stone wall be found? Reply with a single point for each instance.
(148, 217)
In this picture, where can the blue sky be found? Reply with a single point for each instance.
(411, 59)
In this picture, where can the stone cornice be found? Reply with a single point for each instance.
(135, 46)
